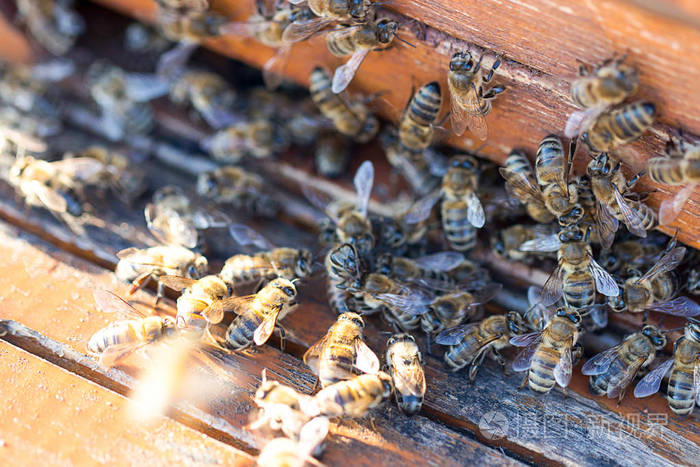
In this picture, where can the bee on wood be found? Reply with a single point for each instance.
(53, 23)
(416, 124)
(327, 12)
(258, 314)
(520, 181)
(288, 263)
(612, 370)
(470, 343)
(121, 338)
(684, 382)
(656, 289)
(679, 166)
(434, 267)
(258, 138)
(209, 95)
(597, 89)
(243, 190)
(342, 352)
(508, 241)
(469, 101)
(619, 126)
(614, 202)
(202, 301)
(420, 169)
(339, 264)
(352, 398)
(350, 117)
(404, 363)
(549, 355)
(552, 169)
(286, 452)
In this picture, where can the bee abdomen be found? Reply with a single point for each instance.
(459, 232)
(632, 120)
(666, 170)
(541, 373)
(240, 333)
(648, 216)
(425, 105)
(116, 333)
(342, 44)
(681, 393)
(579, 290)
(460, 355)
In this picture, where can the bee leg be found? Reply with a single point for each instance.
(522, 385)
(371, 423)
(501, 361)
(283, 336)
(315, 385)
(633, 180)
(495, 65)
(139, 283)
(473, 369)
(493, 92)
(583, 68)
(621, 396)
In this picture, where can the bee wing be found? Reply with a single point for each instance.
(363, 181)
(172, 62)
(114, 353)
(679, 306)
(486, 294)
(421, 209)
(176, 283)
(651, 383)
(408, 377)
(542, 243)
(607, 225)
(525, 340)
(238, 305)
(668, 262)
(437, 162)
(313, 355)
(600, 363)
(273, 70)
(411, 303)
(632, 219)
(599, 315)
(453, 336)
(48, 197)
(300, 30)
(552, 290)
(443, 261)
(475, 211)
(176, 229)
(266, 328)
(604, 282)
(524, 358)
(475, 119)
(245, 236)
(311, 435)
(562, 370)
(365, 359)
(580, 120)
(671, 208)
(520, 181)
(144, 87)
(108, 302)
(317, 198)
(345, 73)
(210, 218)
(615, 388)
(458, 116)
(79, 168)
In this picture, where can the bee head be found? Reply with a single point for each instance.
(206, 184)
(465, 162)
(400, 338)
(386, 30)
(657, 338)
(571, 315)
(354, 317)
(571, 234)
(285, 286)
(199, 268)
(627, 77)
(617, 303)
(692, 329)
(573, 216)
(599, 166)
(516, 323)
(304, 263)
(461, 61)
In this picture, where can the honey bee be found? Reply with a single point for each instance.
(613, 202)
(340, 262)
(54, 24)
(416, 168)
(138, 266)
(470, 343)
(258, 138)
(508, 241)
(342, 352)
(351, 118)
(279, 408)
(577, 275)
(416, 124)
(461, 209)
(208, 94)
(433, 267)
(258, 314)
(352, 398)
(612, 370)
(327, 12)
(549, 355)
(404, 363)
(201, 302)
(656, 289)
(287, 263)
(286, 452)
(331, 154)
(597, 89)
(26, 87)
(684, 381)
(679, 166)
(630, 254)
(121, 338)
(520, 181)
(552, 169)
(469, 101)
(243, 190)
(619, 126)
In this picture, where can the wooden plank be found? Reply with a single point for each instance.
(63, 419)
(39, 277)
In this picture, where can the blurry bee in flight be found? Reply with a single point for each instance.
(257, 138)
(327, 12)
(279, 408)
(342, 352)
(684, 382)
(549, 355)
(612, 370)
(656, 289)
(619, 126)
(286, 452)
(404, 363)
(520, 181)
(552, 169)
(614, 203)
(331, 154)
(258, 314)
(469, 101)
(208, 94)
(232, 185)
(507, 242)
(350, 117)
(202, 301)
(597, 89)
(268, 28)
(577, 275)
(121, 338)
(416, 124)
(53, 23)
(470, 343)
(352, 398)
(287, 263)
(679, 166)
(26, 87)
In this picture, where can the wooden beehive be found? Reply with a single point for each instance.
(64, 408)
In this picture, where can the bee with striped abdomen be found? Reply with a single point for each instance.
(208, 94)
(404, 363)
(612, 370)
(202, 301)
(552, 169)
(619, 126)
(520, 181)
(327, 12)
(242, 189)
(352, 398)
(461, 210)
(508, 241)
(416, 124)
(260, 138)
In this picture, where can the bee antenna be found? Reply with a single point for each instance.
(672, 330)
(404, 41)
